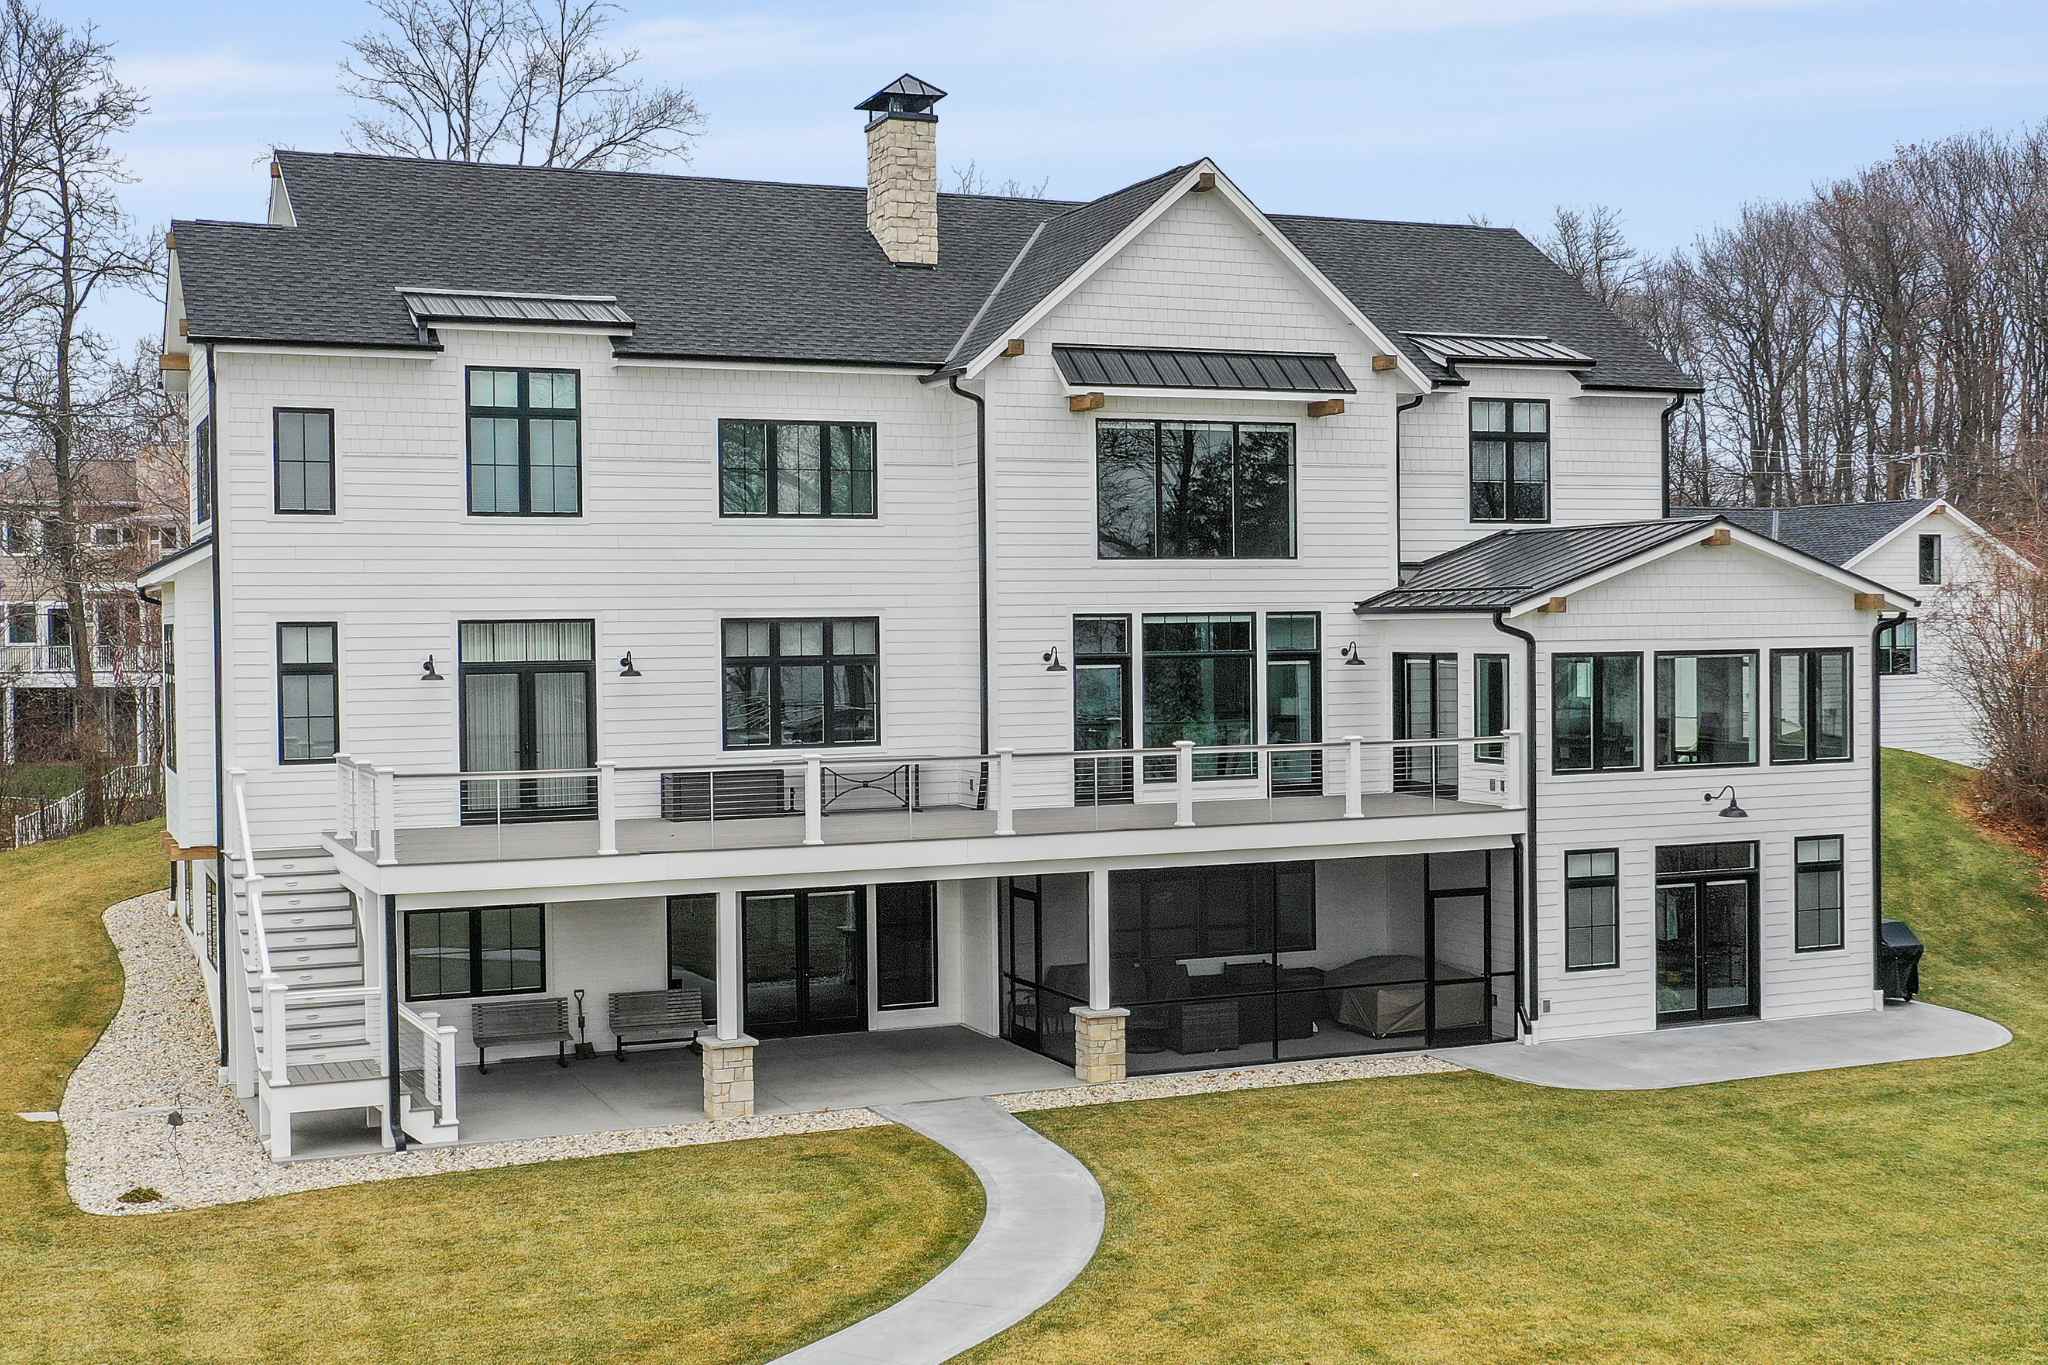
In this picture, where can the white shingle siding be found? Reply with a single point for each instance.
(1924, 711)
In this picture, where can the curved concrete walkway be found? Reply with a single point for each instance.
(1042, 1226)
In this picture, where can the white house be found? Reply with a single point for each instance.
(1152, 631)
(1941, 554)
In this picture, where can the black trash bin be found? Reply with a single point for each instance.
(1898, 961)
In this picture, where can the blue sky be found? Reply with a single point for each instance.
(1673, 111)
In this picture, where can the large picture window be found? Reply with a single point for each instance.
(1706, 710)
(302, 448)
(796, 469)
(308, 699)
(906, 945)
(1510, 459)
(693, 948)
(1817, 908)
(525, 443)
(1898, 648)
(802, 683)
(1198, 686)
(455, 954)
(1809, 705)
(1592, 910)
(1596, 712)
(1194, 490)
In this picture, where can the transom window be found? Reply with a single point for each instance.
(1596, 712)
(1592, 910)
(1817, 908)
(796, 469)
(1809, 705)
(1198, 686)
(802, 683)
(1194, 490)
(302, 442)
(1930, 559)
(308, 707)
(1898, 648)
(1706, 710)
(451, 954)
(1510, 459)
(525, 444)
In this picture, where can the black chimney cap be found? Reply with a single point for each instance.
(904, 95)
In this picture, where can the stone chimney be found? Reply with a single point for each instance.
(903, 170)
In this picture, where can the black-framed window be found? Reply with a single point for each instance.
(169, 703)
(1489, 705)
(1194, 490)
(1596, 712)
(1592, 909)
(211, 926)
(1707, 709)
(1102, 708)
(308, 692)
(21, 623)
(803, 682)
(1810, 705)
(693, 948)
(302, 452)
(796, 469)
(1294, 698)
(525, 443)
(1898, 648)
(202, 470)
(1198, 686)
(1168, 914)
(1930, 559)
(528, 703)
(1817, 894)
(906, 945)
(458, 954)
(1510, 459)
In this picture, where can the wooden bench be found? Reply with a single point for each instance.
(544, 1020)
(643, 1017)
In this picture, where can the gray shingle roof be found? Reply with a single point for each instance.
(1513, 566)
(758, 270)
(1836, 532)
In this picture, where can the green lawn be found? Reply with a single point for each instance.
(49, 781)
(1887, 1212)
(731, 1252)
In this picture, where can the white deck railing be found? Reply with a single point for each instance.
(898, 797)
(270, 1055)
(426, 1061)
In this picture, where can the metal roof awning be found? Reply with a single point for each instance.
(1497, 348)
(520, 310)
(1125, 367)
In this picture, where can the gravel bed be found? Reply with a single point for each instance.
(1234, 1078)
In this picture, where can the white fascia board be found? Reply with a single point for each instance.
(279, 211)
(358, 352)
(1213, 395)
(1761, 544)
(170, 572)
(914, 372)
(1943, 506)
(174, 342)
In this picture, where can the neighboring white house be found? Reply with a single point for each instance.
(1153, 631)
(1929, 546)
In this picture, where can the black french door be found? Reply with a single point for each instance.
(803, 958)
(1707, 952)
(1426, 707)
(527, 717)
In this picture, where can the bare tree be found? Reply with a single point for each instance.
(1996, 628)
(1591, 247)
(527, 81)
(64, 394)
(971, 179)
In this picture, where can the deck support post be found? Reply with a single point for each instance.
(393, 1123)
(1006, 806)
(728, 1076)
(607, 808)
(728, 949)
(1098, 939)
(344, 799)
(387, 817)
(1099, 1052)
(814, 799)
(1354, 777)
(1183, 783)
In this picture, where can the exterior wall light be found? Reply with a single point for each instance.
(1352, 658)
(427, 673)
(1052, 660)
(626, 669)
(1733, 810)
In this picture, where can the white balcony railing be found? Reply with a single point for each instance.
(855, 796)
(118, 660)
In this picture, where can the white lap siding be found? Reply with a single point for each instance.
(1701, 599)
(650, 560)
(1924, 711)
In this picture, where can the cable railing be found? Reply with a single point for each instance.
(851, 796)
(426, 1062)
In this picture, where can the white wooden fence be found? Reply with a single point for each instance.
(64, 815)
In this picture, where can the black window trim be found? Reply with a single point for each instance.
(167, 697)
(775, 659)
(332, 669)
(520, 668)
(931, 910)
(525, 412)
(1838, 865)
(1755, 718)
(1159, 496)
(1930, 539)
(203, 453)
(277, 463)
(770, 481)
(1564, 908)
(476, 945)
(1599, 698)
(1888, 649)
(1480, 660)
(1508, 438)
(1811, 688)
(668, 933)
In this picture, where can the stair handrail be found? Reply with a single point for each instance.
(274, 1049)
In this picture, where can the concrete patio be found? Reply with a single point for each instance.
(1742, 1049)
(534, 1098)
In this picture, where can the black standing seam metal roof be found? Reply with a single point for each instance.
(1836, 532)
(1111, 367)
(1513, 566)
(758, 270)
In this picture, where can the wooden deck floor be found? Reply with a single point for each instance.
(315, 1073)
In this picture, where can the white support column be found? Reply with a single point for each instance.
(607, 808)
(387, 817)
(814, 799)
(729, 1057)
(730, 1024)
(1354, 777)
(1183, 783)
(1512, 770)
(1006, 805)
(1098, 939)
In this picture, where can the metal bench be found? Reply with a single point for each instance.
(545, 1020)
(642, 1017)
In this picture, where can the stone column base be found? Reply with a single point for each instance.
(728, 1077)
(1099, 1044)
